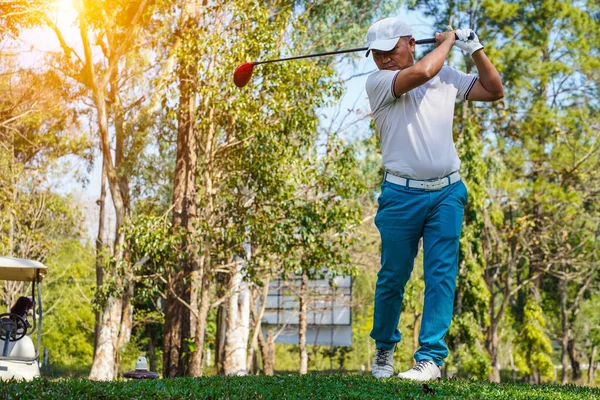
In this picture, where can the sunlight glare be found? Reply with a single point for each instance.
(65, 11)
(64, 15)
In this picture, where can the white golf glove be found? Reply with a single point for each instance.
(465, 44)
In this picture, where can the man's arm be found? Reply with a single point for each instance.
(427, 67)
(489, 85)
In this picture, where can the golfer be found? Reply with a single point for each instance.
(422, 194)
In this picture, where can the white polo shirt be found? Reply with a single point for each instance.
(416, 128)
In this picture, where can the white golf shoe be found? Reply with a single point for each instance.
(383, 363)
(424, 370)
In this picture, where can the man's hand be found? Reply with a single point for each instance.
(427, 67)
(466, 45)
(444, 36)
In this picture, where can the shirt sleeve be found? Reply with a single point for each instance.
(380, 88)
(461, 81)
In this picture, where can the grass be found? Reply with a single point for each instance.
(287, 387)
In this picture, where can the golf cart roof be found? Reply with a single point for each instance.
(19, 269)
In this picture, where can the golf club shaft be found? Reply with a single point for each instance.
(432, 40)
(330, 53)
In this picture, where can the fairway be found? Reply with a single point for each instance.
(289, 387)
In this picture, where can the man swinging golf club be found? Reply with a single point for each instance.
(422, 194)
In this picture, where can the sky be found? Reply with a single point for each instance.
(350, 116)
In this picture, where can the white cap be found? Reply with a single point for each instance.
(383, 35)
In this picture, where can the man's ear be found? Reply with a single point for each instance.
(412, 44)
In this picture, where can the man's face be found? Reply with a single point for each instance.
(400, 57)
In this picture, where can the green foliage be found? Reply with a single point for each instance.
(532, 346)
(473, 294)
(68, 324)
(475, 297)
(474, 361)
(153, 244)
(587, 326)
(154, 254)
(41, 219)
(595, 336)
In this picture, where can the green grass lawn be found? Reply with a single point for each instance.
(286, 387)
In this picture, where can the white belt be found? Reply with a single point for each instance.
(436, 184)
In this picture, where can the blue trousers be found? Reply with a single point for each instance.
(403, 217)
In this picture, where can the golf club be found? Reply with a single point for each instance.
(243, 73)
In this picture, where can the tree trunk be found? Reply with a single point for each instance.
(534, 293)
(126, 325)
(592, 368)
(151, 355)
(100, 246)
(492, 343)
(177, 316)
(302, 326)
(564, 359)
(118, 116)
(566, 330)
(196, 367)
(574, 358)
(104, 365)
(251, 358)
(238, 326)
(536, 377)
(342, 359)
(416, 329)
(220, 339)
(257, 332)
(267, 351)
(513, 369)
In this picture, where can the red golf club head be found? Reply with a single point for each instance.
(242, 74)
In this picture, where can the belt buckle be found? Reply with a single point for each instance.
(434, 186)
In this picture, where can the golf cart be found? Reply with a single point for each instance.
(18, 357)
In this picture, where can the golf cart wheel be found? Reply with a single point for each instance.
(14, 325)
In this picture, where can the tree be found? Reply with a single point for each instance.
(187, 280)
(110, 31)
